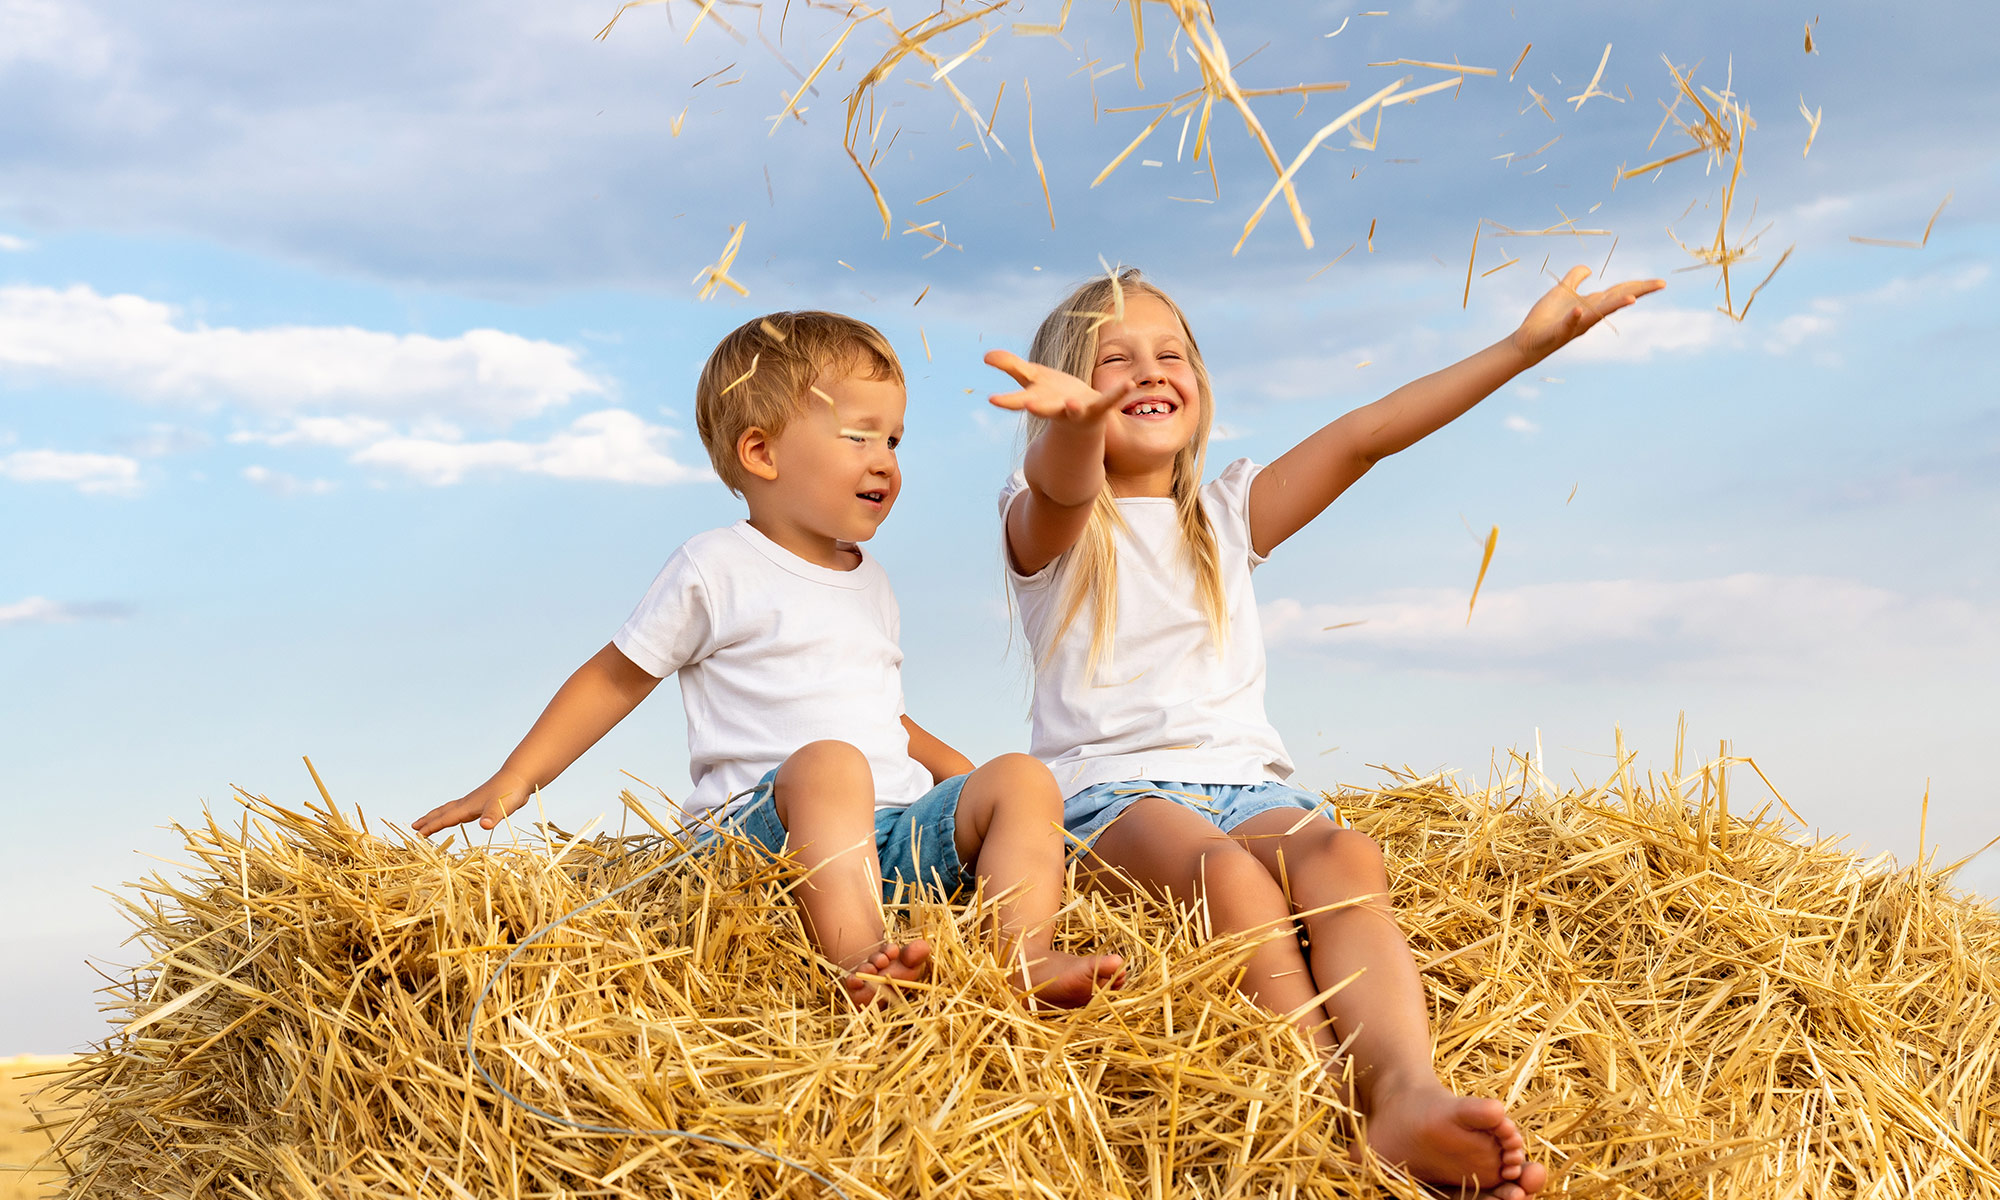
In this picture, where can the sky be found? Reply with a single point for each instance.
(347, 353)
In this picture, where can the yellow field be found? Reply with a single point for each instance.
(17, 1146)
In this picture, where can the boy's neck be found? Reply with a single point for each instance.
(817, 549)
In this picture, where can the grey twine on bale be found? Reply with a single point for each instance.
(472, 1051)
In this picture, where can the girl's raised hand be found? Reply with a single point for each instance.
(1051, 394)
(1565, 313)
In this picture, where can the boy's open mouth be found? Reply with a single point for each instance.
(1151, 406)
(873, 497)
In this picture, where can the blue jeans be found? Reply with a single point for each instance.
(1089, 812)
(916, 844)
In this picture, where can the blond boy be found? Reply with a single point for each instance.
(784, 635)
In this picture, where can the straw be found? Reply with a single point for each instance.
(1677, 995)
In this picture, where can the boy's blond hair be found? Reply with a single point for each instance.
(1067, 341)
(763, 373)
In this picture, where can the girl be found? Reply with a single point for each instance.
(1133, 584)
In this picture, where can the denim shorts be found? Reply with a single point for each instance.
(916, 844)
(1091, 811)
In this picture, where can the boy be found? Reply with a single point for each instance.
(784, 635)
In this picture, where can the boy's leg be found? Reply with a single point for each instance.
(1172, 851)
(825, 798)
(1413, 1119)
(1009, 829)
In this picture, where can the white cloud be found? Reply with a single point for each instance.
(1753, 624)
(9, 244)
(40, 610)
(281, 484)
(96, 474)
(612, 445)
(342, 432)
(1520, 424)
(1644, 330)
(160, 441)
(144, 347)
(52, 31)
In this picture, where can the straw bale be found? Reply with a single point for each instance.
(1678, 1000)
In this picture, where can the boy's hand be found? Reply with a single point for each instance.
(489, 804)
(1564, 313)
(1051, 394)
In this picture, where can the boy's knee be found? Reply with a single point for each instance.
(828, 774)
(1027, 781)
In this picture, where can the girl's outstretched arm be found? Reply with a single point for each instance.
(1065, 465)
(1299, 485)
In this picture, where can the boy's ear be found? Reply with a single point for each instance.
(753, 451)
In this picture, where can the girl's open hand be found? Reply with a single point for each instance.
(1565, 313)
(1051, 394)
(489, 804)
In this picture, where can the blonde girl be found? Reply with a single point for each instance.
(1132, 578)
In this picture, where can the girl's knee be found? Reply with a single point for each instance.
(1234, 880)
(1340, 853)
(1020, 784)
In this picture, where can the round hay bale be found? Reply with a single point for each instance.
(1674, 1000)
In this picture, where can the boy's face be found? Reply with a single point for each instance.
(836, 475)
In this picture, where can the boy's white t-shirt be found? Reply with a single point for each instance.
(1166, 703)
(775, 652)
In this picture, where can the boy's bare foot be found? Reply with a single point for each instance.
(1460, 1141)
(1068, 980)
(892, 964)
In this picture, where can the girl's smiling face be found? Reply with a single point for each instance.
(1148, 349)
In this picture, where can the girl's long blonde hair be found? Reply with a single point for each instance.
(1067, 341)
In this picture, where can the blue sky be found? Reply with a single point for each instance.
(346, 355)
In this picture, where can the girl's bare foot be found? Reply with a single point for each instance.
(1460, 1141)
(1068, 980)
(871, 982)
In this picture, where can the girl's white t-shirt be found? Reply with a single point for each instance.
(1166, 703)
(775, 652)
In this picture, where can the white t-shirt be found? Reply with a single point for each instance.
(775, 652)
(1167, 703)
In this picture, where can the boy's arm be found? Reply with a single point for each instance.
(940, 760)
(1064, 466)
(1298, 486)
(595, 698)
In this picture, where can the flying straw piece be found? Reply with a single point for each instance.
(1934, 217)
(925, 338)
(1035, 154)
(1454, 67)
(678, 121)
(1336, 258)
(1592, 89)
(1411, 97)
(921, 295)
(1470, 260)
(1810, 47)
(1519, 61)
(791, 102)
(771, 331)
(1572, 493)
(744, 376)
(1812, 124)
(1539, 101)
(1495, 270)
(711, 277)
(1343, 625)
(1752, 297)
(1127, 151)
(1485, 561)
(1285, 177)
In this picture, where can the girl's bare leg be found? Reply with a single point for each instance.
(1172, 852)
(1413, 1119)
(1009, 829)
(825, 796)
